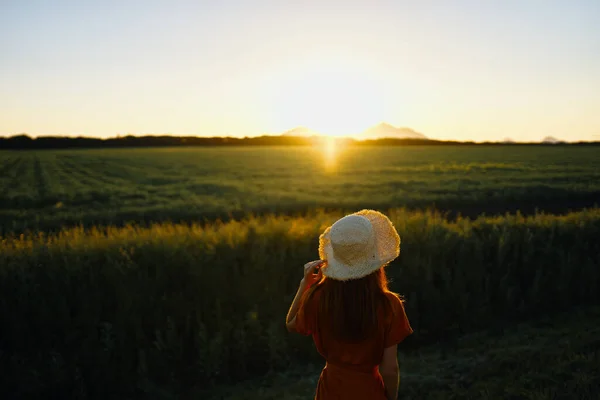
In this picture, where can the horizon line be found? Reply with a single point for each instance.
(544, 140)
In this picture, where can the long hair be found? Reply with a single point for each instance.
(350, 309)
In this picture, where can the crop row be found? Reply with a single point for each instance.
(45, 190)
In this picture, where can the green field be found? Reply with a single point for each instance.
(49, 189)
(130, 279)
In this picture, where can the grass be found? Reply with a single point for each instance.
(46, 190)
(156, 273)
(551, 357)
(134, 311)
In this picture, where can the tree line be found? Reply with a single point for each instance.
(25, 142)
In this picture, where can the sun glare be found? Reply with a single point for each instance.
(330, 149)
(333, 100)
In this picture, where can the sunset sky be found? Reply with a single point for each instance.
(466, 70)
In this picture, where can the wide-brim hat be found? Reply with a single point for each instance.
(358, 244)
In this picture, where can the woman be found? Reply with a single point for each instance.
(344, 303)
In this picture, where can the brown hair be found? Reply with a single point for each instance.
(350, 309)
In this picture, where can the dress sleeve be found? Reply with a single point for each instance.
(399, 327)
(305, 317)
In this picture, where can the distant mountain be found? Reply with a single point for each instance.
(384, 130)
(301, 131)
(551, 140)
(508, 140)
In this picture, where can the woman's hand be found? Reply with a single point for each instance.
(310, 277)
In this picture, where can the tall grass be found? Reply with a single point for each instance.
(132, 311)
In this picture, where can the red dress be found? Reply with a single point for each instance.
(351, 371)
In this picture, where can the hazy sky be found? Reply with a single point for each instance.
(481, 70)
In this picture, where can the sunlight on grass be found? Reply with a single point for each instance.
(329, 146)
(330, 151)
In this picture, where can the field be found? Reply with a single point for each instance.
(128, 285)
(50, 189)
(559, 359)
(162, 312)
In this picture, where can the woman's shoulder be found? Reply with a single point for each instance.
(398, 325)
(396, 303)
(394, 298)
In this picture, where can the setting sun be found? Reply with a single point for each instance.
(333, 99)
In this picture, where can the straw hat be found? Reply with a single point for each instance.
(358, 244)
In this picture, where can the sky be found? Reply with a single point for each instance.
(464, 70)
